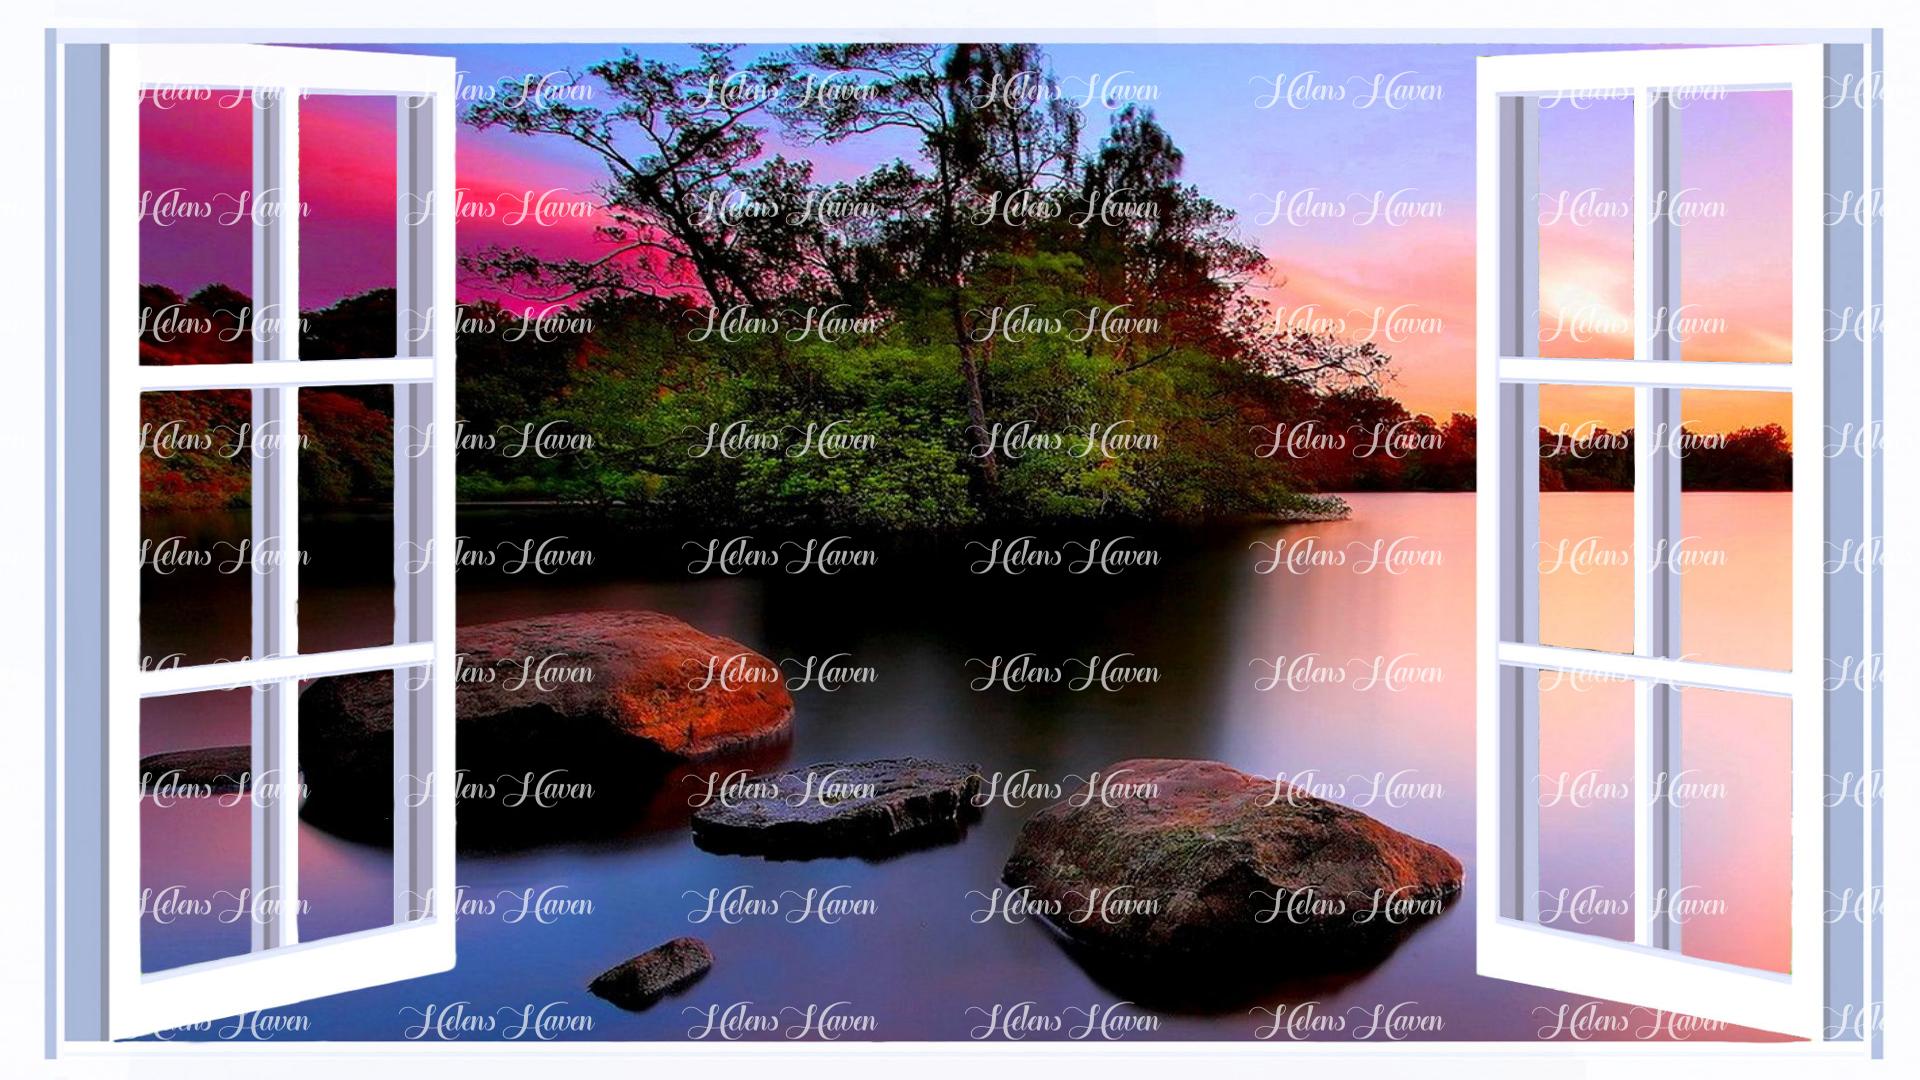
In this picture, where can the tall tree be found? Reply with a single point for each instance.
(989, 126)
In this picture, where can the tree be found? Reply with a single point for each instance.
(683, 206)
(984, 132)
(1000, 209)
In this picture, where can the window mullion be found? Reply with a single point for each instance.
(415, 428)
(1657, 523)
(275, 516)
(1515, 430)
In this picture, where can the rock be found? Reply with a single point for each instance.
(662, 970)
(1196, 865)
(869, 808)
(207, 770)
(593, 707)
(609, 676)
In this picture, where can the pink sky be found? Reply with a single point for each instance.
(1734, 241)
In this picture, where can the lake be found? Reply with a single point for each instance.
(1339, 654)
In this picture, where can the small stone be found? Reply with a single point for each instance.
(664, 969)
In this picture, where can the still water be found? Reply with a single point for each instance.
(1340, 654)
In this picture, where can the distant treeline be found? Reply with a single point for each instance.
(1745, 459)
(549, 415)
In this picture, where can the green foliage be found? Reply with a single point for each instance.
(1005, 221)
(1102, 435)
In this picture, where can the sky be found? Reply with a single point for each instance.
(1351, 167)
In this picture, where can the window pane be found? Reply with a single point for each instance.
(1586, 804)
(1733, 795)
(197, 210)
(349, 195)
(1586, 226)
(1734, 555)
(198, 560)
(196, 822)
(1732, 218)
(346, 517)
(346, 829)
(1586, 517)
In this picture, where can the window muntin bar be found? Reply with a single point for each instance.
(1650, 668)
(405, 369)
(1663, 374)
(160, 682)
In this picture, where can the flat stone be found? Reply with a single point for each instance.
(583, 680)
(562, 723)
(868, 808)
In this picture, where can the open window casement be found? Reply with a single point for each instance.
(1825, 992)
(109, 992)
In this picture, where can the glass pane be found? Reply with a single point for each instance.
(1586, 226)
(1732, 219)
(1735, 553)
(346, 517)
(1733, 794)
(1586, 804)
(197, 557)
(1586, 517)
(349, 194)
(346, 830)
(197, 211)
(196, 828)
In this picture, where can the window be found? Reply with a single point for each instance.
(123, 979)
(1662, 696)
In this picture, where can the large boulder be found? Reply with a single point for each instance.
(1196, 865)
(205, 770)
(866, 808)
(664, 969)
(555, 715)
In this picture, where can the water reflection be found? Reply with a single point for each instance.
(1357, 683)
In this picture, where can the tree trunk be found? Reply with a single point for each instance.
(969, 368)
(977, 412)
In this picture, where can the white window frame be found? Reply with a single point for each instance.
(1832, 378)
(74, 254)
(106, 994)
